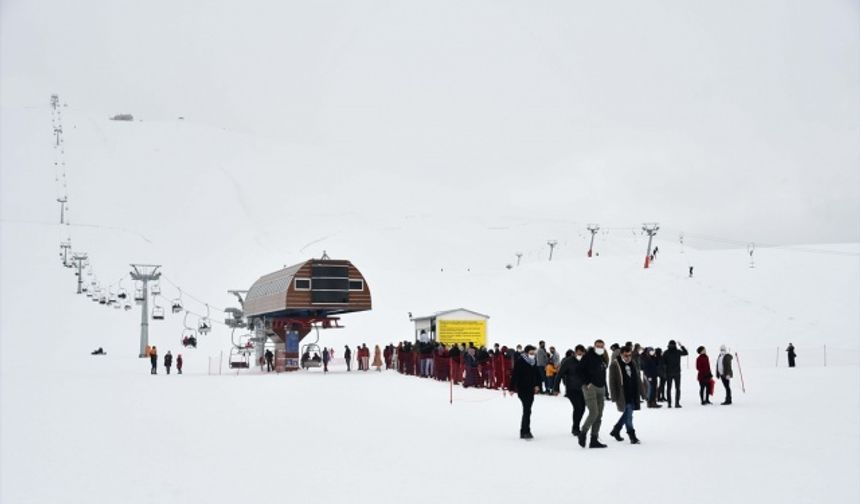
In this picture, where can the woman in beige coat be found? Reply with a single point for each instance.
(377, 358)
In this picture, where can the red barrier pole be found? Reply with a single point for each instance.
(451, 382)
(741, 372)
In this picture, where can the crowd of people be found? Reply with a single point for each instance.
(627, 375)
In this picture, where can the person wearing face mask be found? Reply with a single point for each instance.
(592, 373)
(703, 367)
(627, 390)
(649, 368)
(724, 373)
(525, 382)
(568, 374)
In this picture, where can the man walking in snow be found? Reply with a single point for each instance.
(525, 382)
(568, 374)
(347, 356)
(168, 361)
(542, 358)
(270, 359)
(672, 359)
(592, 373)
(724, 373)
(627, 390)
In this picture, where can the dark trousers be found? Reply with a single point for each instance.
(703, 391)
(179, 369)
(728, 386)
(652, 390)
(542, 371)
(577, 400)
(526, 423)
(661, 388)
(269, 366)
(677, 381)
(348, 363)
(791, 362)
(154, 362)
(167, 368)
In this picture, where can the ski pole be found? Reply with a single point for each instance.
(741, 372)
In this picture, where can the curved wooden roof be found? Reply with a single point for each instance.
(325, 287)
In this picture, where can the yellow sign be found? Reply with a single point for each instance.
(450, 332)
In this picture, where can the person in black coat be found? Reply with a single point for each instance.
(568, 374)
(168, 361)
(791, 354)
(592, 373)
(270, 359)
(672, 360)
(525, 382)
(649, 369)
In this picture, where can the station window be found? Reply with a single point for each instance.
(356, 285)
(303, 284)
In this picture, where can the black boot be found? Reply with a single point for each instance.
(677, 405)
(633, 438)
(581, 439)
(526, 435)
(595, 443)
(616, 433)
(575, 431)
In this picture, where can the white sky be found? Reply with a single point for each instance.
(733, 119)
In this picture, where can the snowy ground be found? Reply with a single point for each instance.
(77, 437)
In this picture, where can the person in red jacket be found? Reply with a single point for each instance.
(703, 366)
(179, 363)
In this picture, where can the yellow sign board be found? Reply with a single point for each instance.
(450, 332)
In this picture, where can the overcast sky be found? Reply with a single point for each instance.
(733, 119)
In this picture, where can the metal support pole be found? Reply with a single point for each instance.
(593, 228)
(651, 229)
(145, 273)
(552, 244)
(79, 259)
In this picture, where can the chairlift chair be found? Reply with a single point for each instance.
(157, 313)
(139, 295)
(127, 306)
(240, 358)
(203, 327)
(176, 305)
(155, 290)
(189, 338)
(122, 294)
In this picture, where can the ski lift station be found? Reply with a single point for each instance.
(285, 306)
(451, 327)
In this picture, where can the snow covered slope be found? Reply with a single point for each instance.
(218, 209)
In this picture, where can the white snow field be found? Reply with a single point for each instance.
(76, 428)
